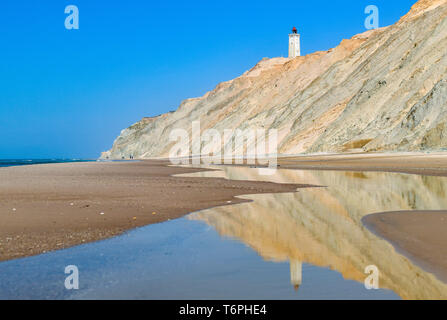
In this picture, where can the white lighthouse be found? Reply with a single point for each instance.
(294, 44)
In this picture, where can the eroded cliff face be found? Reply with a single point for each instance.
(382, 90)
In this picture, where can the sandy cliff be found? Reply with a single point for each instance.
(384, 89)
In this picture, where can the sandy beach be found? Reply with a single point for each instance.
(54, 206)
(420, 235)
(417, 163)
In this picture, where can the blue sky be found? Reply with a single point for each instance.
(69, 93)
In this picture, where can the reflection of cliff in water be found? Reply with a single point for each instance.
(322, 226)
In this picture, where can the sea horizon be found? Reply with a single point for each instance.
(23, 162)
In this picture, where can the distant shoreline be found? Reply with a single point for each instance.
(4, 163)
(432, 164)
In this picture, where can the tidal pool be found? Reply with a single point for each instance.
(305, 245)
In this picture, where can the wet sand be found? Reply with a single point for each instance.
(54, 206)
(419, 235)
(434, 164)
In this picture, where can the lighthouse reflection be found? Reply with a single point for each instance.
(322, 226)
(296, 273)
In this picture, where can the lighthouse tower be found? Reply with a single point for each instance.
(294, 44)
